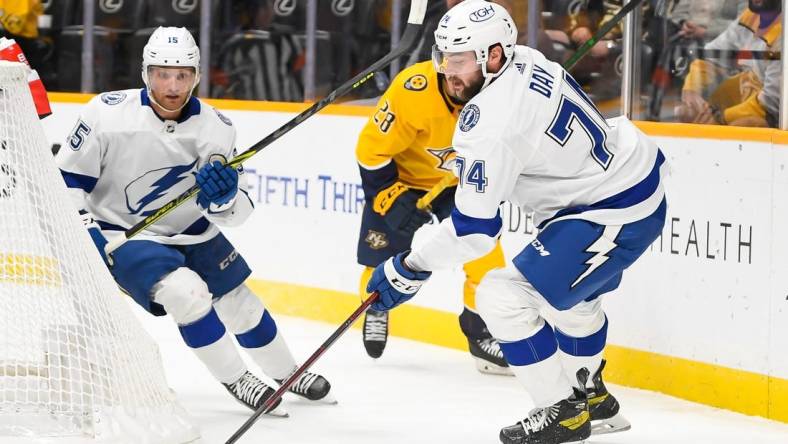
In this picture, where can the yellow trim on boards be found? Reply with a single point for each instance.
(65, 97)
(719, 132)
(727, 388)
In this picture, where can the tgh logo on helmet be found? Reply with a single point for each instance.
(342, 8)
(110, 6)
(483, 14)
(284, 8)
(184, 6)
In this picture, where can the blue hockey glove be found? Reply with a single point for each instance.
(397, 205)
(218, 184)
(394, 283)
(95, 233)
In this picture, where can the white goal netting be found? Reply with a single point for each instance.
(75, 365)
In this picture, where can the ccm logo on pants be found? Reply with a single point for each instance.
(228, 260)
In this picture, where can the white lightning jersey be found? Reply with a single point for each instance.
(122, 162)
(534, 138)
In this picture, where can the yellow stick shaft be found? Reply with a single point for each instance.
(426, 200)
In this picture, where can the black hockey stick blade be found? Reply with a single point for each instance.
(409, 37)
(601, 32)
(304, 367)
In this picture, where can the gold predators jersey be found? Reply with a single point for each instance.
(408, 138)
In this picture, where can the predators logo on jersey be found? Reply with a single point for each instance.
(412, 127)
(446, 157)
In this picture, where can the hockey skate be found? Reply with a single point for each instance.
(605, 417)
(566, 421)
(252, 392)
(376, 332)
(312, 387)
(489, 357)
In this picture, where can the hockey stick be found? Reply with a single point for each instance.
(304, 367)
(425, 201)
(412, 31)
(601, 32)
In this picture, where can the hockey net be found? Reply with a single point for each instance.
(75, 364)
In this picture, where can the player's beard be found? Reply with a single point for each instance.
(460, 90)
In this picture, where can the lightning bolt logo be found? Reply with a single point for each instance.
(168, 178)
(600, 248)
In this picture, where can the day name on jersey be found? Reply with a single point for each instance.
(541, 81)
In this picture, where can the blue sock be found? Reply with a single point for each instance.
(531, 350)
(261, 334)
(588, 346)
(204, 331)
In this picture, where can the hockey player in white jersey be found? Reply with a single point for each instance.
(531, 136)
(133, 151)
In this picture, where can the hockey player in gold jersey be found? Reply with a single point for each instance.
(403, 151)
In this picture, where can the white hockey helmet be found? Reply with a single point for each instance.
(174, 47)
(475, 25)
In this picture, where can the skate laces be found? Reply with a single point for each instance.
(304, 382)
(249, 388)
(375, 327)
(539, 418)
(491, 347)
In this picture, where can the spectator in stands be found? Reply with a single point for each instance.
(750, 97)
(703, 20)
(570, 24)
(580, 23)
(677, 28)
(19, 21)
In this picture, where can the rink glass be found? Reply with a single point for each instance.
(266, 50)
